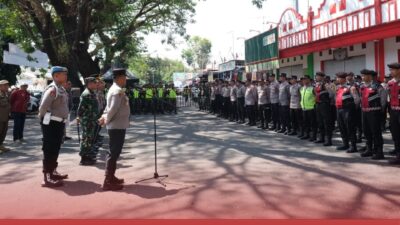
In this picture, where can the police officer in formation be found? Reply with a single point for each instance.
(295, 107)
(323, 109)
(394, 95)
(284, 102)
(53, 114)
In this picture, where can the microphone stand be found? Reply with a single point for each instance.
(158, 178)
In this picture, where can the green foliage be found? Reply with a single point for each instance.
(198, 52)
(146, 67)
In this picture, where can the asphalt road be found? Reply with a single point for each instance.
(217, 170)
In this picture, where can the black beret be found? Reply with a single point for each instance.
(351, 74)
(394, 66)
(358, 77)
(283, 75)
(321, 74)
(119, 72)
(368, 72)
(341, 75)
(307, 77)
(294, 77)
(90, 80)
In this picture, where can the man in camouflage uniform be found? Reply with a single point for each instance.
(88, 113)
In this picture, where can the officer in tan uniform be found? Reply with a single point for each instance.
(4, 113)
(53, 114)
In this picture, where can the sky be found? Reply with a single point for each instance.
(227, 23)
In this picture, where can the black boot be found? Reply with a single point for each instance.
(395, 161)
(57, 176)
(328, 141)
(378, 154)
(116, 180)
(313, 137)
(353, 148)
(368, 152)
(49, 182)
(109, 185)
(305, 137)
(87, 161)
(343, 147)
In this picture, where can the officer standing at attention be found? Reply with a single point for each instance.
(347, 99)
(53, 114)
(373, 99)
(274, 97)
(263, 101)
(307, 103)
(116, 118)
(394, 92)
(5, 109)
(88, 113)
(284, 102)
(295, 107)
(241, 91)
(323, 110)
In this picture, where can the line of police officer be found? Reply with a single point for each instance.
(161, 97)
(308, 108)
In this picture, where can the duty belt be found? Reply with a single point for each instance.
(58, 119)
(371, 109)
(396, 108)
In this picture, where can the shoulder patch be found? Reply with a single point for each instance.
(53, 92)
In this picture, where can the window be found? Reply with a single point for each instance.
(320, 53)
(398, 39)
(287, 60)
(294, 59)
(282, 61)
(342, 5)
(330, 51)
(364, 45)
(301, 57)
(351, 48)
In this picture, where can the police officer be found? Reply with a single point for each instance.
(160, 98)
(394, 93)
(346, 100)
(53, 114)
(274, 97)
(307, 103)
(323, 110)
(295, 107)
(284, 102)
(88, 113)
(373, 98)
(241, 101)
(116, 119)
(226, 94)
(263, 103)
(251, 96)
(136, 100)
(358, 121)
(5, 108)
(172, 98)
(234, 113)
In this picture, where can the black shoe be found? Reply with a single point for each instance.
(352, 150)
(57, 176)
(305, 137)
(88, 162)
(66, 138)
(342, 148)
(363, 149)
(394, 152)
(116, 180)
(367, 153)
(292, 133)
(328, 143)
(108, 185)
(312, 139)
(286, 133)
(320, 141)
(51, 183)
(281, 131)
(378, 156)
(395, 161)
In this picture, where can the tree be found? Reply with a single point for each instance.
(7, 72)
(258, 3)
(79, 33)
(198, 52)
(146, 67)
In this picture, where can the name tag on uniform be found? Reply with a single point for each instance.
(47, 118)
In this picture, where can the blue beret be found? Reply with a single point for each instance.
(57, 69)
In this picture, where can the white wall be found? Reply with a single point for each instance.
(391, 52)
(369, 52)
